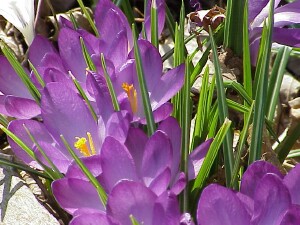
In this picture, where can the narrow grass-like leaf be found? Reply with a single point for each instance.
(154, 24)
(241, 144)
(36, 74)
(89, 18)
(83, 95)
(87, 172)
(211, 155)
(200, 64)
(133, 220)
(223, 112)
(24, 168)
(247, 75)
(110, 85)
(213, 124)
(73, 20)
(240, 90)
(276, 80)
(143, 86)
(261, 84)
(3, 121)
(56, 173)
(186, 125)
(88, 59)
(237, 106)
(294, 154)
(127, 9)
(117, 2)
(201, 110)
(170, 23)
(21, 72)
(288, 142)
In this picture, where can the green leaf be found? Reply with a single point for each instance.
(223, 113)
(261, 84)
(89, 18)
(276, 80)
(154, 24)
(143, 86)
(211, 155)
(110, 85)
(36, 74)
(88, 59)
(133, 220)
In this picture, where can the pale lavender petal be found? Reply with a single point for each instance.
(171, 127)
(257, 6)
(152, 64)
(196, 159)
(38, 49)
(71, 53)
(287, 14)
(286, 36)
(111, 25)
(178, 184)
(160, 114)
(131, 198)
(157, 156)
(292, 182)
(136, 141)
(116, 162)
(118, 125)
(271, 200)
(92, 217)
(161, 14)
(73, 194)
(2, 105)
(167, 87)
(186, 218)
(291, 216)
(10, 83)
(160, 183)
(253, 175)
(64, 112)
(22, 108)
(92, 163)
(220, 206)
(247, 201)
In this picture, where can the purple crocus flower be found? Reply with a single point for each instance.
(129, 198)
(64, 112)
(15, 101)
(283, 16)
(266, 197)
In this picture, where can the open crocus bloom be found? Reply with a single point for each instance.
(65, 113)
(283, 16)
(21, 14)
(266, 197)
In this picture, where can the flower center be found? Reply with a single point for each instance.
(132, 96)
(81, 145)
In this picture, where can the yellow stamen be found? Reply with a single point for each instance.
(92, 146)
(82, 146)
(132, 96)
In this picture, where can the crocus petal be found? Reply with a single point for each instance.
(271, 200)
(159, 5)
(159, 114)
(160, 183)
(156, 160)
(39, 132)
(71, 53)
(291, 216)
(178, 184)
(21, 108)
(73, 194)
(287, 14)
(2, 105)
(64, 112)
(21, 14)
(111, 25)
(169, 85)
(136, 141)
(255, 172)
(220, 206)
(117, 163)
(92, 217)
(292, 182)
(259, 6)
(131, 198)
(196, 159)
(171, 127)
(286, 36)
(38, 49)
(92, 163)
(10, 82)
